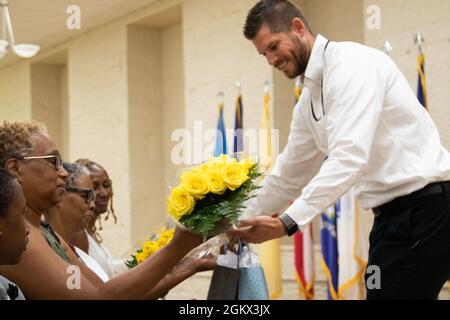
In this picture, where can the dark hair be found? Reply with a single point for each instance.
(7, 191)
(276, 14)
(89, 165)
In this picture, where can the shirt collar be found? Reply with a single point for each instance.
(314, 68)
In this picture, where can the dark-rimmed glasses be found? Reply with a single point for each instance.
(87, 194)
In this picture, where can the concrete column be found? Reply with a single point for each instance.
(15, 100)
(46, 95)
(145, 130)
(98, 112)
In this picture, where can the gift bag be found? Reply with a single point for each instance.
(238, 276)
(225, 279)
(252, 281)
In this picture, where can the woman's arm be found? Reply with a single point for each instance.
(42, 274)
(185, 269)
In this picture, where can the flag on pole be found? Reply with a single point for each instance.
(269, 252)
(421, 83)
(329, 260)
(352, 248)
(221, 138)
(297, 89)
(267, 155)
(304, 245)
(304, 262)
(238, 143)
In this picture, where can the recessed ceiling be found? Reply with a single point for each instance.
(43, 22)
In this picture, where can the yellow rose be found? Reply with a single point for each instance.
(234, 175)
(218, 163)
(196, 183)
(141, 256)
(180, 203)
(216, 183)
(149, 247)
(164, 239)
(247, 164)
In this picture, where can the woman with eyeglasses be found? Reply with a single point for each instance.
(48, 273)
(74, 212)
(89, 239)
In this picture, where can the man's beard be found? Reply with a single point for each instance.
(301, 57)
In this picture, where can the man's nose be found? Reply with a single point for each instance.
(271, 59)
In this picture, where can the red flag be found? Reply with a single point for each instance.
(304, 262)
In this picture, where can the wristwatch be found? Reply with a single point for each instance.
(290, 225)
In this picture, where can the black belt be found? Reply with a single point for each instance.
(432, 189)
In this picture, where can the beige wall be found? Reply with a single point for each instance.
(172, 75)
(145, 107)
(46, 98)
(216, 56)
(15, 99)
(401, 19)
(98, 113)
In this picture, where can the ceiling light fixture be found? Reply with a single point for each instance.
(22, 50)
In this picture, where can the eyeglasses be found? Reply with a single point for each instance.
(55, 159)
(87, 194)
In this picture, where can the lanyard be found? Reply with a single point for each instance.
(321, 92)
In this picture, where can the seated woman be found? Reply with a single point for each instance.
(29, 153)
(13, 231)
(73, 213)
(89, 240)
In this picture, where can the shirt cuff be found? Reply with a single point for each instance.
(302, 213)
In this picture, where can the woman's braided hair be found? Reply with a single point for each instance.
(88, 164)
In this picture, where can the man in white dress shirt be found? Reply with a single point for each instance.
(358, 123)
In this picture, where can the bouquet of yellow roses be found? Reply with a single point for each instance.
(209, 198)
(155, 242)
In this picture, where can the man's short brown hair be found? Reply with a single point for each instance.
(276, 14)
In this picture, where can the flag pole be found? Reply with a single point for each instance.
(387, 47)
(238, 87)
(221, 97)
(419, 40)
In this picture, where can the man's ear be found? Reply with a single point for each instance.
(12, 165)
(298, 26)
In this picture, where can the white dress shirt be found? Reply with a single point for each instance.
(374, 135)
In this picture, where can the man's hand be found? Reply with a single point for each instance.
(259, 229)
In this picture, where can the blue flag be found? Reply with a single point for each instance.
(421, 84)
(221, 138)
(330, 253)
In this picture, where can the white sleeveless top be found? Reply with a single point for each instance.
(101, 255)
(92, 264)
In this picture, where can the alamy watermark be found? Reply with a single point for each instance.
(74, 277)
(373, 21)
(73, 21)
(198, 145)
(373, 281)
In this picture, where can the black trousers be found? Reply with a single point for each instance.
(410, 246)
